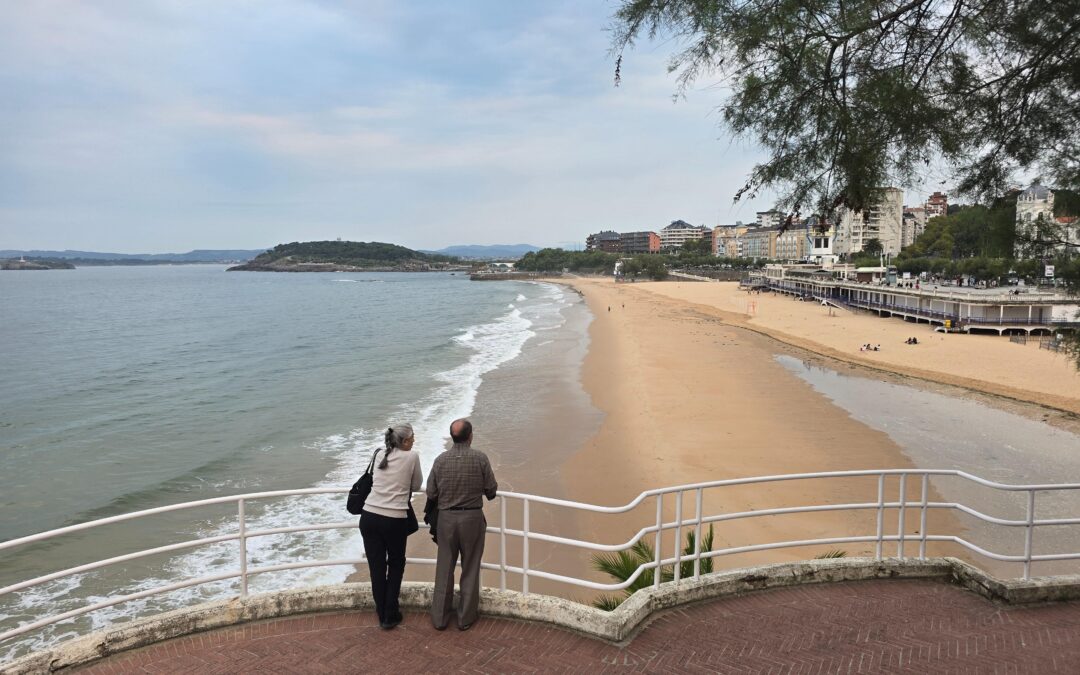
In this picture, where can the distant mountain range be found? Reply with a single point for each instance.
(201, 255)
(482, 252)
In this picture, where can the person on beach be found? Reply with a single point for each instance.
(384, 520)
(459, 480)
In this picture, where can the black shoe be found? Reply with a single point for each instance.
(392, 623)
(465, 627)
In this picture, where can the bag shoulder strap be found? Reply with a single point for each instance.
(371, 464)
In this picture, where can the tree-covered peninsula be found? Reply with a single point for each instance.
(345, 256)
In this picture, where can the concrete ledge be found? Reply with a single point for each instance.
(616, 626)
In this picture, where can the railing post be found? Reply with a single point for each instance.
(678, 535)
(525, 550)
(502, 542)
(697, 537)
(880, 513)
(900, 525)
(243, 549)
(922, 516)
(659, 529)
(1027, 534)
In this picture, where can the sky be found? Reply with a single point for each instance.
(150, 126)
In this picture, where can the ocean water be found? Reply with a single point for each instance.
(130, 388)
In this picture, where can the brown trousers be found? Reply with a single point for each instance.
(461, 533)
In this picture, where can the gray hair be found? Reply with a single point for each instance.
(395, 438)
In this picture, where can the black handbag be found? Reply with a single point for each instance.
(411, 525)
(361, 488)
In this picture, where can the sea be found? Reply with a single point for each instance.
(127, 388)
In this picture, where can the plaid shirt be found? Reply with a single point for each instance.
(459, 479)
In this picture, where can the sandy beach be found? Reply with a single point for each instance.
(691, 392)
(689, 389)
(987, 363)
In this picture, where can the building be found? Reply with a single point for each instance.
(1035, 220)
(639, 242)
(760, 242)
(679, 232)
(937, 205)
(606, 240)
(994, 311)
(793, 243)
(883, 221)
(821, 243)
(770, 218)
(913, 225)
(725, 239)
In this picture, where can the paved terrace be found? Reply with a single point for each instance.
(915, 626)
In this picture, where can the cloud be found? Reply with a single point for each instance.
(167, 124)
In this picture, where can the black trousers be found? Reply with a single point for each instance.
(384, 544)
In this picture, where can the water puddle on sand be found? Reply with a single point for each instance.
(936, 431)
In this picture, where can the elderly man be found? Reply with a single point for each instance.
(458, 481)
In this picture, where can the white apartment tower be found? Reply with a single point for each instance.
(883, 221)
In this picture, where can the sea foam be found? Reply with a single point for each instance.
(489, 345)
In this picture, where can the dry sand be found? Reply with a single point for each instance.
(987, 363)
(690, 391)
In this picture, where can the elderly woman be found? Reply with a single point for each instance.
(384, 520)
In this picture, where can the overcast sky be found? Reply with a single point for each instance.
(167, 125)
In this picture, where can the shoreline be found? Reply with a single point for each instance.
(689, 400)
(690, 395)
(718, 300)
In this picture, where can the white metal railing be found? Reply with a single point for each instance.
(676, 527)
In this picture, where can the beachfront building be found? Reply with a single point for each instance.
(679, 232)
(1038, 231)
(793, 244)
(882, 221)
(958, 308)
(913, 224)
(606, 240)
(726, 240)
(937, 205)
(821, 243)
(639, 242)
(760, 242)
(770, 218)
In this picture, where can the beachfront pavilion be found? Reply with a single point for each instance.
(1000, 311)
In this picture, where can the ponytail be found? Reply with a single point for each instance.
(393, 438)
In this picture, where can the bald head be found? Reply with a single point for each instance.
(461, 431)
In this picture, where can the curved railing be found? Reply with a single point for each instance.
(676, 558)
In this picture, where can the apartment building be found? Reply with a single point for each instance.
(937, 205)
(883, 221)
(770, 218)
(639, 242)
(726, 239)
(760, 242)
(793, 243)
(679, 232)
(607, 240)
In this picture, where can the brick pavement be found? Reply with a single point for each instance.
(856, 627)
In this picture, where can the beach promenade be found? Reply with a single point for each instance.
(903, 626)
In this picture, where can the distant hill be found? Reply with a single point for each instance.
(483, 252)
(97, 257)
(344, 256)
